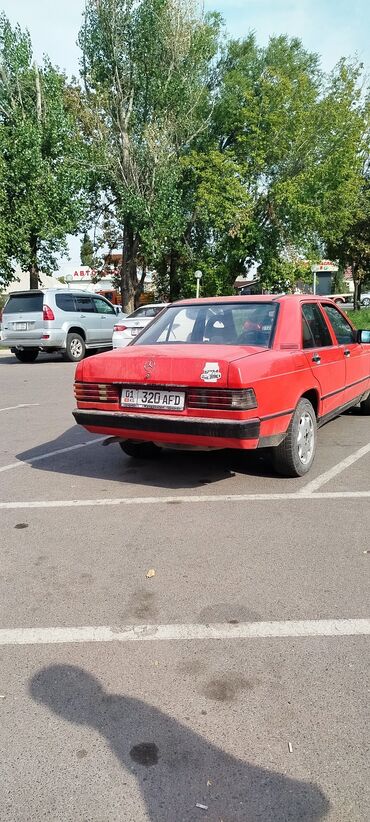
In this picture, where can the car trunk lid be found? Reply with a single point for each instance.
(168, 365)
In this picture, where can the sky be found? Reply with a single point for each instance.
(332, 28)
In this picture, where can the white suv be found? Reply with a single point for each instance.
(52, 319)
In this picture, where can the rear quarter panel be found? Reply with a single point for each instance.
(279, 379)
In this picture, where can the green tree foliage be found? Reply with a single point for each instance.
(87, 251)
(189, 157)
(282, 166)
(41, 164)
(352, 248)
(147, 72)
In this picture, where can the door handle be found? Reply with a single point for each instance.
(347, 353)
(316, 358)
(103, 317)
(82, 316)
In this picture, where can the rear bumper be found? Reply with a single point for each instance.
(56, 339)
(185, 430)
(118, 341)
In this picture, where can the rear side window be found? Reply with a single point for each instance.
(315, 330)
(24, 303)
(85, 305)
(65, 301)
(342, 329)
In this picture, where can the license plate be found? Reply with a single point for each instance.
(139, 398)
(20, 326)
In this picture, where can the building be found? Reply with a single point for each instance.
(91, 280)
(22, 283)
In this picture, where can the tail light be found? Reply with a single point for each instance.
(222, 399)
(47, 313)
(120, 328)
(95, 392)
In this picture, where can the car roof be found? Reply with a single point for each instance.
(52, 291)
(258, 298)
(150, 305)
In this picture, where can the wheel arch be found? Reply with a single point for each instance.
(312, 394)
(76, 330)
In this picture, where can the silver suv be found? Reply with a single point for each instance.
(56, 320)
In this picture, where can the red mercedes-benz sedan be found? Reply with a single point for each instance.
(232, 372)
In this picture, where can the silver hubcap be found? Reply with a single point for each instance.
(76, 348)
(306, 438)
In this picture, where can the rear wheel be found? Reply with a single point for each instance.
(295, 455)
(365, 406)
(366, 301)
(26, 354)
(140, 450)
(75, 347)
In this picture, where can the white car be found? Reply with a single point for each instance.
(126, 328)
(365, 299)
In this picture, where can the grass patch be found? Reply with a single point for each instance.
(361, 319)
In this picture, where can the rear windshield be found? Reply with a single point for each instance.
(214, 324)
(24, 303)
(147, 311)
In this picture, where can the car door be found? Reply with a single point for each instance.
(325, 357)
(357, 356)
(87, 317)
(106, 319)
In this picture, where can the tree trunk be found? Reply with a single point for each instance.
(129, 269)
(356, 282)
(174, 279)
(140, 284)
(34, 269)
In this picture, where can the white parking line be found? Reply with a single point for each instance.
(21, 405)
(51, 454)
(190, 500)
(323, 479)
(151, 633)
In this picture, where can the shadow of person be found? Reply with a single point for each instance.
(172, 763)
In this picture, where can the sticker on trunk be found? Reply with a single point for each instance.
(211, 372)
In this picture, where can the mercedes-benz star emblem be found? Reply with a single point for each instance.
(148, 369)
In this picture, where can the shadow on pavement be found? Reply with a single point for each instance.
(42, 359)
(171, 469)
(172, 763)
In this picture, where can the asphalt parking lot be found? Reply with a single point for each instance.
(232, 685)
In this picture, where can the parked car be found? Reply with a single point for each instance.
(365, 299)
(237, 372)
(56, 320)
(124, 332)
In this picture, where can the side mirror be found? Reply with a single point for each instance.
(363, 337)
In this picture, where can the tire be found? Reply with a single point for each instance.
(27, 354)
(75, 348)
(140, 450)
(294, 457)
(365, 407)
(366, 302)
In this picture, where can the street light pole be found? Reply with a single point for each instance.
(198, 276)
